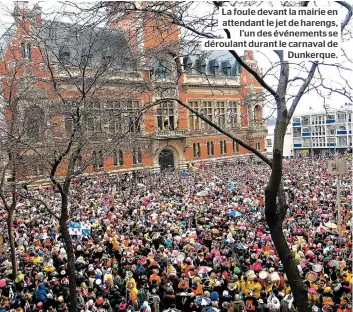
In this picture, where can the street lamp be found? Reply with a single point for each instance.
(347, 107)
(338, 167)
(332, 127)
(311, 134)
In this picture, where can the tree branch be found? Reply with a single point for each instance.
(349, 13)
(258, 78)
(43, 203)
(302, 90)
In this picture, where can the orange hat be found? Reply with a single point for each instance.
(100, 301)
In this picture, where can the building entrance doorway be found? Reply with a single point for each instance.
(166, 159)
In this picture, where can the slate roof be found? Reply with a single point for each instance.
(75, 42)
(207, 61)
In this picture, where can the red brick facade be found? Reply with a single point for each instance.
(188, 138)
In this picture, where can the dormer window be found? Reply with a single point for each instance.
(64, 55)
(126, 64)
(187, 62)
(26, 50)
(86, 58)
(107, 57)
(214, 66)
(226, 68)
(200, 65)
(203, 67)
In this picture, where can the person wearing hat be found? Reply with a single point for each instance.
(250, 303)
(197, 289)
(154, 277)
(41, 293)
(183, 284)
(239, 305)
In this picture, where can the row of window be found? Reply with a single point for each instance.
(210, 148)
(123, 115)
(321, 142)
(320, 119)
(317, 130)
(85, 58)
(118, 158)
(221, 112)
(112, 117)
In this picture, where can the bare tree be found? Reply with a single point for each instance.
(286, 94)
(16, 85)
(81, 106)
(72, 78)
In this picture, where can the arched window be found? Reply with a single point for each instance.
(257, 113)
(235, 147)
(94, 160)
(118, 158)
(223, 144)
(197, 149)
(161, 69)
(26, 50)
(97, 159)
(100, 159)
(136, 156)
(210, 148)
(163, 66)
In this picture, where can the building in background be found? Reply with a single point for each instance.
(169, 136)
(288, 139)
(322, 133)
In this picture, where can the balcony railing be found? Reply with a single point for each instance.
(170, 134)
(254, 127)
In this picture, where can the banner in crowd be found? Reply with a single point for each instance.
(80, 228)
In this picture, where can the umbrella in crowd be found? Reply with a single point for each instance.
(204, 269)
(321, 229)
(202, 301)
(235, 214)
(211, 309)
(337, 264)
(331, 225)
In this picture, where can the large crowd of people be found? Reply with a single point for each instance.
(191, 241)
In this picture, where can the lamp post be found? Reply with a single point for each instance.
(338, 167)
(338, 189)
(348, 111)
(311, 134)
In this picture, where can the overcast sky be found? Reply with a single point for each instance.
(264, 60)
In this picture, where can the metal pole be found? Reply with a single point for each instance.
(347, 129)
(338, 202)
(335, 137)
(327, 130)
(311, 135)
